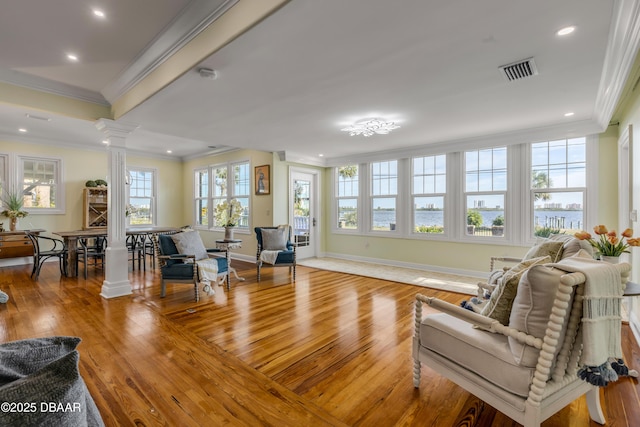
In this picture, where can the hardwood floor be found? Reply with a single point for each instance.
(333, 349)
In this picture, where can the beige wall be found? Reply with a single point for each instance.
(261, 206)
(175, 204)
(80, 166)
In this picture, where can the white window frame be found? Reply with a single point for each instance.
(517, 203)
(396, 197)
(590, 191)
(153, 206)
(59, 185)
(338, 197)
(484, 192)
(231, 194)
(414, 195)
(4, 174)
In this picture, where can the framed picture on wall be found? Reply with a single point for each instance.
(262, 180)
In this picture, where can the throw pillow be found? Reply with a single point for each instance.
(274, 239)
(501, 300)
(552, 249)
(44, 371)
(571, 245)
(532, 308)
(190, 243)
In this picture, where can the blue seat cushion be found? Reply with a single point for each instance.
(285, 257)
(181, 271)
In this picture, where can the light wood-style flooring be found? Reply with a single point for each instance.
(330, 350)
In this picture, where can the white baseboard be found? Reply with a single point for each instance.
(8, 262)
(634, 323)
(425, 267)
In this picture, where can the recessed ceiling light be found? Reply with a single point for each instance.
(105, 141)
(31, 116)
(169, 151)
(569, 114)
(98, 13)
(23, 130)
(566, 30)
(72, 57)
(321, 155)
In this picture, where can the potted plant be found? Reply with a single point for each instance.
(13, 202)
(474, 219)
(609, 246)
(497, 226)
(227, 215)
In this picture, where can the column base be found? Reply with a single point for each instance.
(116, 282)
(117, 289)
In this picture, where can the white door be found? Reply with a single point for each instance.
(303, 201)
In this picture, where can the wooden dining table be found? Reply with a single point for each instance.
(139, 237)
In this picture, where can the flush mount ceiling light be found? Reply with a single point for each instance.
(566, 31)
(370, 127)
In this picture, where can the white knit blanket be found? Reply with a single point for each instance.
(601, 320)
(269, 256)
(207, 269)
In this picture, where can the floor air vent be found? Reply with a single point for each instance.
(519, 70)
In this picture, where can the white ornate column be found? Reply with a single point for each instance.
(116, 282)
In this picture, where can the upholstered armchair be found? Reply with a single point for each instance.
(181, 266)
(531, 364)
(276, 248)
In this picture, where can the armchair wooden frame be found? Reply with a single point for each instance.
(555, 383)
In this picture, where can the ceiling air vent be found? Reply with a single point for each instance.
(519, 70)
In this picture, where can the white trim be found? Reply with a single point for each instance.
(184, 28)
(415, 266)
(41, 84)
(154, 194)
(622, 47)
(60, 197)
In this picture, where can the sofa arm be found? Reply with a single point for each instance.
(478, 320)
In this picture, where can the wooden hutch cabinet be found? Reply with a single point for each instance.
(95, 208)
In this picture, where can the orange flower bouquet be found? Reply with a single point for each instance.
(609, 244)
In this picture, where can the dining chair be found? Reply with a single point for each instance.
(45, 247)
(91, 251)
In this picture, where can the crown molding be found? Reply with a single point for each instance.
(193, 19)
(41, 84)
(622, 46)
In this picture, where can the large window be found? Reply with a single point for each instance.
(347, 196)
(384, 195)
(40, 179)
(4, 160)
(219, 184)
(502, 194)
(485, 190)
(141, 206)
(558, 185)
(429, 187)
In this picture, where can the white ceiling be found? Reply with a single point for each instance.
(294, 80)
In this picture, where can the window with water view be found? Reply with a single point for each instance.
(558, 184)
